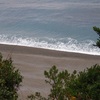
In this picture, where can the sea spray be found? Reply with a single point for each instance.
(62, 44)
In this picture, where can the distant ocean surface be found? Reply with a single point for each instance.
(64, 25)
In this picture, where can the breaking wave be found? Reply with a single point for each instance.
(62, 44)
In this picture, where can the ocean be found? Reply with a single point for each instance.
(65, 25)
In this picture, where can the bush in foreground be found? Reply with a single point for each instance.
(10, 80)
(86, 86)
(65, 86)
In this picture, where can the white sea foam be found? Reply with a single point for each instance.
(62, 44)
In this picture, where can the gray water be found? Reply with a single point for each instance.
(64, 25)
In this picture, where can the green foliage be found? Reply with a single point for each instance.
(97, 30)
(59, 82)
(64, 86)
(10, 80)
(87, 84)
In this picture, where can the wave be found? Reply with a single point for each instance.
(62, 44)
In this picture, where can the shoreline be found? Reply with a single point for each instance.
(41, 51)
(77, 52)
(32, 62)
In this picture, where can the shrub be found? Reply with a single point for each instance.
(59, 82)
(97, 30)
(10, 80)
(87, 84)
(65, 86)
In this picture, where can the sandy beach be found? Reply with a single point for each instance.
(33, 61)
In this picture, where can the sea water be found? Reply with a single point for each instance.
(65, 25)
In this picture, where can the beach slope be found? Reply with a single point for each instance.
(33, 61)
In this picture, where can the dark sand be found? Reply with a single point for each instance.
(33, 61)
